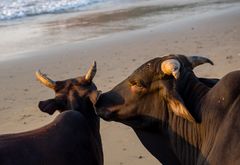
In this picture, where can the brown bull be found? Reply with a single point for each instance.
(197, 122)
(73, 138)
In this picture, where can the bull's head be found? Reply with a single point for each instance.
(71, 94)
(150, 91)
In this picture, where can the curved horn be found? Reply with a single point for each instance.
(91, 72)
(171, 67)
(45, 80)
(198, 60)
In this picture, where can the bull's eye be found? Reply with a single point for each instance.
(137, 87)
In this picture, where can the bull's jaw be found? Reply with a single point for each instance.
(136, 122)
(105, 114)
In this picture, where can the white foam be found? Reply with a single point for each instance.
(10, 9)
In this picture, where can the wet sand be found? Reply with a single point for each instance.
(214, 35)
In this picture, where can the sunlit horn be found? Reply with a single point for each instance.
(91, 72)
(171, 67)
(198, 60)
(45, 80)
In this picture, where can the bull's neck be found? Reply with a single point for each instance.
(192, 91)
(185, 136)
(92, 119)
(89, 114)
(94, 124)
(157, 145)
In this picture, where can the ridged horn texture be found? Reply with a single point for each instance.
(198, 60)
(45, 80)
(171, 67)
(91, 72)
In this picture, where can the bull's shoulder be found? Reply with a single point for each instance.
(70, 117)
(232, 78)
(228, 87)
(66, 122)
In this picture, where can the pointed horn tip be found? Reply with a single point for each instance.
(44, 79)
(210, 62)
(91, 72)
(38, 73)
(199, 60)
(94, 64)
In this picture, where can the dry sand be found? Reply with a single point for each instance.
(214, 35)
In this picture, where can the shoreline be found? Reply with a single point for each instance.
(215, 36)
(123, 34)
(43, 32)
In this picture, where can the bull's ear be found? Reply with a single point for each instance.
(48, 106)
(94, 96)
(177, 106)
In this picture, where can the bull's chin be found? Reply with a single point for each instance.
(105, 114)
(50, 112)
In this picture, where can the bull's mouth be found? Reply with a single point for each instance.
(108, 106)
(106, 114)
(46, 108)
(50, 112)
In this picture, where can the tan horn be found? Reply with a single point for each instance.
(45, 80)
(171, 67)
(198, 60)
(91, 72)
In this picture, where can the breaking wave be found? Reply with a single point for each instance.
(11, 9)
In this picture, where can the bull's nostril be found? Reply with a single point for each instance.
(48, 106)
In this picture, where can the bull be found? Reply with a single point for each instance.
(195, 121)
(72, 138)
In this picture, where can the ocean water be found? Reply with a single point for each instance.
(12, 9)
(30, 25)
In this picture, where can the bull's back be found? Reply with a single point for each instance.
(67, 140)
(220, 109)
(227, 142)
(220, 98)
(228, 87)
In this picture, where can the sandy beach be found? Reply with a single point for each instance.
(215, 35)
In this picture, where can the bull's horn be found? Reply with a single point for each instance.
(198, 60)
(45, 80)
(91, 72)
(171, 67)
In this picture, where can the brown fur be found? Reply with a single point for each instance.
(73, 138)
(213, 105)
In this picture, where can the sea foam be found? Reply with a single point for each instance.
(11, 9)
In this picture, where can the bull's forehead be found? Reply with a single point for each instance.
(149, 67)
(72, 81)
(78, 82)
(146, 72)
(153, 67)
